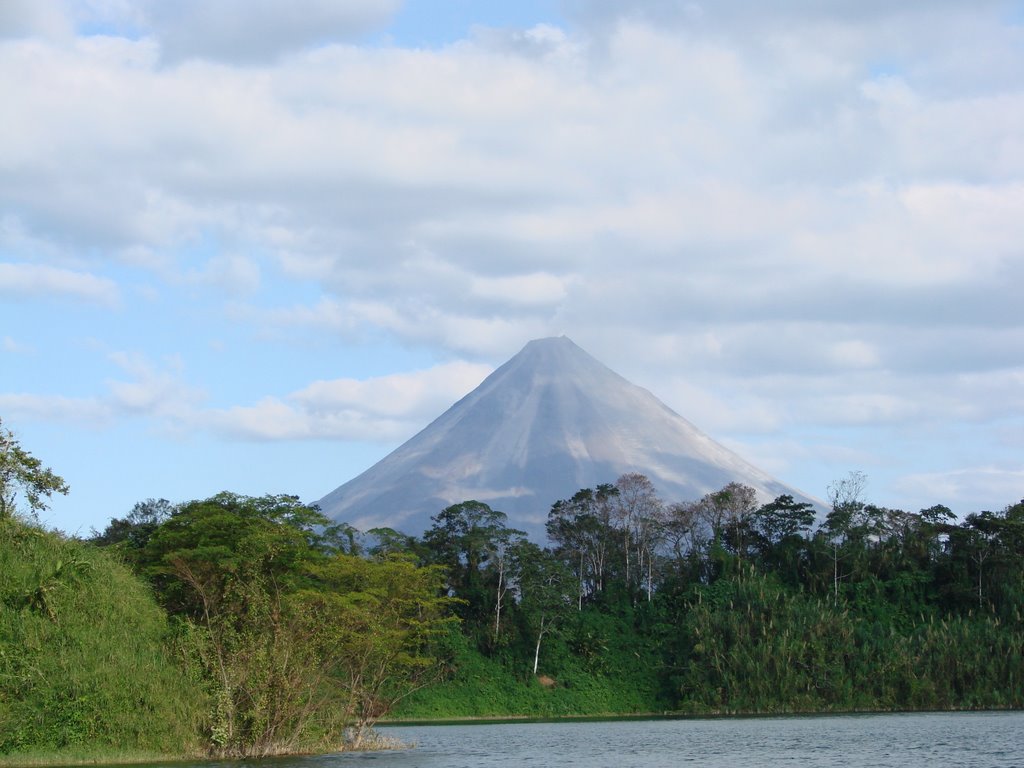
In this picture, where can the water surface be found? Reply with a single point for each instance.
(982, 740)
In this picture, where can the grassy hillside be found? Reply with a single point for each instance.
(85, 660)
(622, 678)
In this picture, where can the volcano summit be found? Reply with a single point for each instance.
(548, 422)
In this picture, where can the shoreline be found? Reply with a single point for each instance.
(85, 756)
(615, 717)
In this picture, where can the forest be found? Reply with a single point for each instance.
(725, 605)
(240, 626)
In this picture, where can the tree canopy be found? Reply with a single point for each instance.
(24, 474)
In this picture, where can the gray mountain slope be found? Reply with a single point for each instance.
(548, 422)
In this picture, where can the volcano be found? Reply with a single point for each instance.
(548, 422)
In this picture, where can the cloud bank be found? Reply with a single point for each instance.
(801, 218)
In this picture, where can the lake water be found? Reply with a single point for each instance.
(985, 740)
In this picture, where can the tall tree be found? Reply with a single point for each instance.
(132, 532)
(639, 513)
(472, 540)
(227, 566)
(724, 516)
(24, 474)
(371, 622)
(582, 532)
(842, 528)
(779, 529)
(545, 591)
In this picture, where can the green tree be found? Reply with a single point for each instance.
(546, 590)
(205, 545)
(298, 636)
(131, 534)
(987, 553)
(843, 533)
(228, 567)
(24, 474)
(582, 532)
(472, 540)
(640, 515)
(387, 541)
(724, 517)
(372, 623)
(779, 530)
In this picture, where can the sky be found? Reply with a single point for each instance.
(254, 246)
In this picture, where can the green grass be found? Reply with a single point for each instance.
(86, 660)
(88, 756)
(482, 687)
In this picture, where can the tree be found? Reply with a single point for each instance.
(545, 591)
(229, 566)
(640, 513)
(502, 566)
(846, 498)
(779, 528)
(133, 531)
(22, 473)
(724, 514)
(387, 541)
(472, 540)
(205, 545)
(842, 528)
(581, 529)
(681, 526)
(371, 622)
(992, 541)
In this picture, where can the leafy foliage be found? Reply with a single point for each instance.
(295, 639)
(21, 472)
(721, 605)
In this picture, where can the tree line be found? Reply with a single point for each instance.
(736, 605)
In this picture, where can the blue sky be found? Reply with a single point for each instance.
(254, 246)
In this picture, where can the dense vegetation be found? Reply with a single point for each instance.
(240, 626)
(231, 626)
(246, 630)
(724, 605)
(85, 657)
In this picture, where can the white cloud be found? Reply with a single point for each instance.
(19, 281)
(788, 214)
(326, 315)
(89, 411)
(145, 390)
(24, 18)
(420, 393)
(258, 31)
(269, 419)
(379, 409)
(537, 288)
(154, 392)
(234, 273)
(13, 346)
(970, 489)
(855, 354)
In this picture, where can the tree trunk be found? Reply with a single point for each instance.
(497, 604)
(650, 578)
(579, 605)
(536, 650)
(835, 575)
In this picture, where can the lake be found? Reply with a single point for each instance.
(985, 740)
